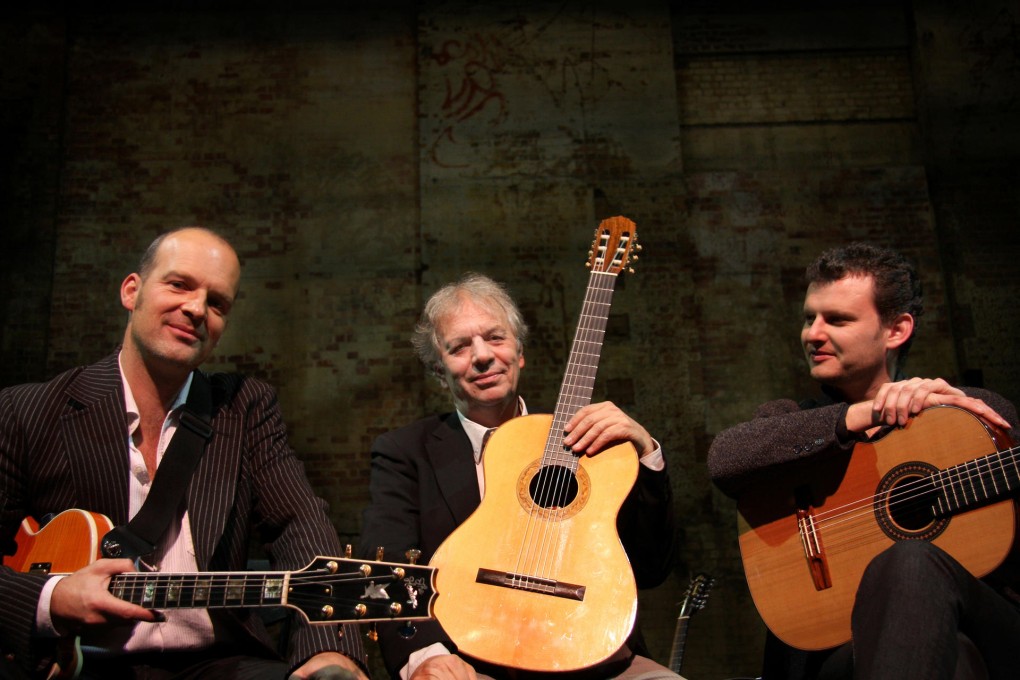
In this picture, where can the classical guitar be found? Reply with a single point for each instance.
(807, 535)
(693, 602)
(328, 590)
(536, 578)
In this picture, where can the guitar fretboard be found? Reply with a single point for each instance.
(209, 590)
(582, 365)
(977, 481)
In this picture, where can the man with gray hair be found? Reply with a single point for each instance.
(427, 478)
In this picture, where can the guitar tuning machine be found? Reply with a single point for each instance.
(412, 555)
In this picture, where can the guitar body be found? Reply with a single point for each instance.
(575, 546)
(67, 543)
(847, 498)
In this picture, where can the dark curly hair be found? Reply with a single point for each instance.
(897, 285)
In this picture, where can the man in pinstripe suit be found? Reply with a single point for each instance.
(93, 438)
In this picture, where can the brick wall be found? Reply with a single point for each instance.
(360, 159)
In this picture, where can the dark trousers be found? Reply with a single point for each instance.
(913, 605)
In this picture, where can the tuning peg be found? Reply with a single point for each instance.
(379, 551)
(412, 555)
(372, 633)
(407, 630)
(630, 270)
(348, 550)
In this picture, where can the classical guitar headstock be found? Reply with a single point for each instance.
(696, 594)
(615, 243)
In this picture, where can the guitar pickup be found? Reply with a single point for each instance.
(545, 586)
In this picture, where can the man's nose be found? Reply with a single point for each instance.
(815, 331)
(481, 353)
(196, 306)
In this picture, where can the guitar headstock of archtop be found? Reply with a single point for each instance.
(614, 246)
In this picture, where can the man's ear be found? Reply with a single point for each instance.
(129, 291)
(900, 330)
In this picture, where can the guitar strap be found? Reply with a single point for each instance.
(139, 536)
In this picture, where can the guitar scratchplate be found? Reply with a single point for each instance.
(546, 586)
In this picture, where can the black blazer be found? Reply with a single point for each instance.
(63, 444)
(423, 485)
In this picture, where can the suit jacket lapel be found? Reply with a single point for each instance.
(449, 450)
(94, 428)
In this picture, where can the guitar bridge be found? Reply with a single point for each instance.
(811, 541)
(545, 586)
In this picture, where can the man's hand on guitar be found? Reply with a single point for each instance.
(897, 402)
(444, 667)
(596, 427)
(83, 599)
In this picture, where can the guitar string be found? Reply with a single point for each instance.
(907, 495)
(551, 482)
(538, 555)
(957, 475)
(986, 472)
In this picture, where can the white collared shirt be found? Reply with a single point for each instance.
(175, 553)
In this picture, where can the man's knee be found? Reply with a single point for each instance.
(910, 567)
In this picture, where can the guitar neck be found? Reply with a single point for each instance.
(202, 590)
(676, 653)
(977, 481)
(582, 365)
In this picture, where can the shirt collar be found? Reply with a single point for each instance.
(131, 406)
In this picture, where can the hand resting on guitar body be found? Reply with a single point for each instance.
(896, 402)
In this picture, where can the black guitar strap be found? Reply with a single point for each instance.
(139, 536)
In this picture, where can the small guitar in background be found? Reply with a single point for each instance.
(693, 602)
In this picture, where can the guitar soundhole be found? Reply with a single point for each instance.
(553, 487)
(907, 498)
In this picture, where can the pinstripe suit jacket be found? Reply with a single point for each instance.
(424, 485)
(63, 445)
